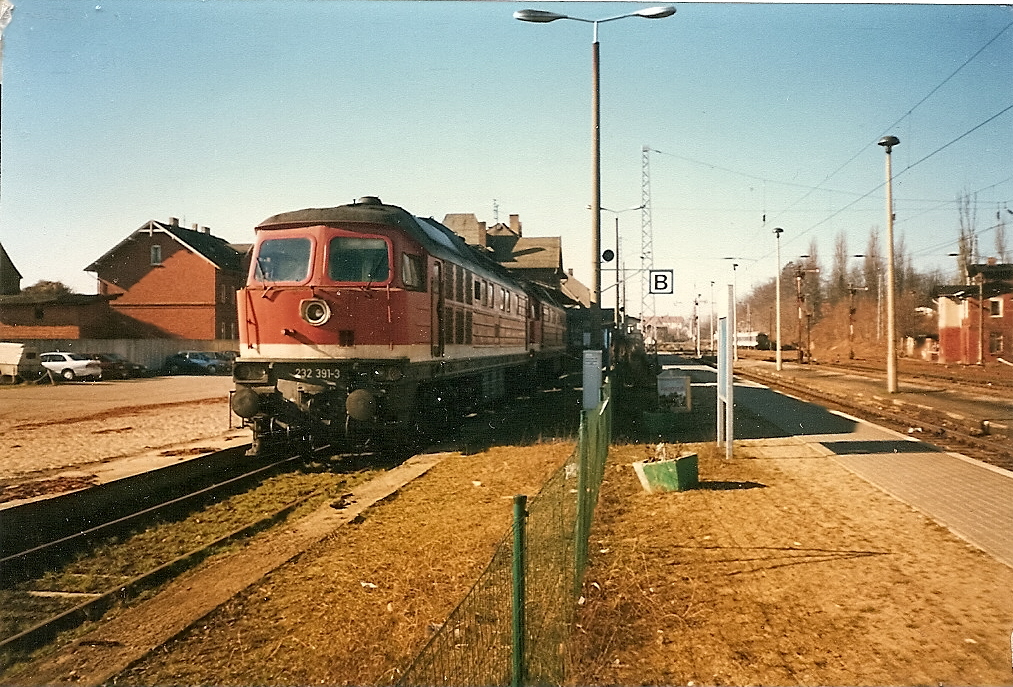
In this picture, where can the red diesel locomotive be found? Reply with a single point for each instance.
(365, 324)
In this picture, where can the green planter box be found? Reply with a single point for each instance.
(674, 474)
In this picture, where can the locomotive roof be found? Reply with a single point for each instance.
(369, 212)
(438, 239)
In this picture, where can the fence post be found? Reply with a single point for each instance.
(579, 530)
(520, 512)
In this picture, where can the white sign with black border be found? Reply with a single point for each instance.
(662, 282)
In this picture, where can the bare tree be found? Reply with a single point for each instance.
(47, 288)
(837, 284)
(967, 238)
(1000, 236)
(903, 265)
(874, 265)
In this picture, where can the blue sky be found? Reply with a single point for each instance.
(225, 112)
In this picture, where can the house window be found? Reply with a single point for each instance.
(156, 255)
(995, 307)
(995, 343)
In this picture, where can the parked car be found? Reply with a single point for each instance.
(115, 366)
(71, 366)
(228, 359)
(194, 362)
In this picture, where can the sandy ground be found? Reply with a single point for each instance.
(784, 571)
(48, 429)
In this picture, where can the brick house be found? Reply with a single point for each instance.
(168, 281)
(976, 319)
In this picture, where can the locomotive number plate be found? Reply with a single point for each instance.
(317, 373)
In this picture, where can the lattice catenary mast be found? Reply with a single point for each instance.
(647, 311)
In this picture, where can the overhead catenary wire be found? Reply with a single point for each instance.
(904, 171)
(899, 120)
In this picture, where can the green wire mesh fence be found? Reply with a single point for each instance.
(475, 646)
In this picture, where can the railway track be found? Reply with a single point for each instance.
(52, 584)
(982, 380)
(942, 429)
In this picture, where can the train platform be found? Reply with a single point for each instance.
(972, 499)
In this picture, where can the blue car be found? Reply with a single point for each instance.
(193, 362)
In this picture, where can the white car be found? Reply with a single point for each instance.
(71, 366)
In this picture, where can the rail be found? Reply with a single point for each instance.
(38, 618)
(937, 427)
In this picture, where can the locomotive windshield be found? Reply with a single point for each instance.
(358, 260)
(281, 260)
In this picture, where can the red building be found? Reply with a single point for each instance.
(55, 316)
(976, 319)
(167, 281)
(48, 314)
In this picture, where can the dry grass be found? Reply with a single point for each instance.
(356, 608)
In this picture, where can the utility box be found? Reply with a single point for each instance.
(19, 362)
(674, 392)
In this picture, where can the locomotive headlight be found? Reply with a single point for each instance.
(250, 372)
(315, 311)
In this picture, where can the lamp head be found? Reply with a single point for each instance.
(656, 12)
(778, 231)
(889, 142)
(538, 16)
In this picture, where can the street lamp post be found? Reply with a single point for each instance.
(733, 316)
(888, 142)
(710, 347)
(543, 17)
(777, 298)
(735, 311)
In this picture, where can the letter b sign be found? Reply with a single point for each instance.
(662, 281)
